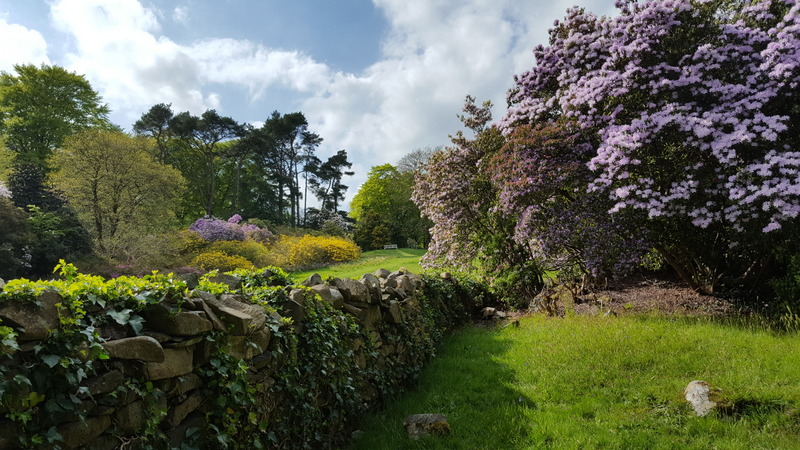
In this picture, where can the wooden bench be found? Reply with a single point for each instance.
(390, 246)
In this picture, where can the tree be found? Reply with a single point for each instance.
(156, 124)
(204, 136)
(688, 107)
(456, 192)
(15, 239)
(119, 191)
(41, 106)
(282, 148)
(384, 200)
(327, 182)
(416, 161)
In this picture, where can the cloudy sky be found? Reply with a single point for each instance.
(378, 78)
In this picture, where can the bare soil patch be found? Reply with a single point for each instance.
(641, 294)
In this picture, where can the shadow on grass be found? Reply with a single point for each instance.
(469, 384)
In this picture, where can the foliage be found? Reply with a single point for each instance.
(384, 212)
(15, 240)
(118, 190)
(41, 106)
(683, 109)
(217, 260)
(470, 232)
(72, 352)
(252, 251)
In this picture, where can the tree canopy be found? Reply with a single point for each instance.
(41, 106)
(117, 188)
(668, 127)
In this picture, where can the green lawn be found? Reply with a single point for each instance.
(368, 263)
(593, 382)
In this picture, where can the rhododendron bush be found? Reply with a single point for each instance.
(671, 126)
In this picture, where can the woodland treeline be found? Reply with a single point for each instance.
(76, 184)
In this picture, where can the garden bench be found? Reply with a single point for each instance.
(390, 246)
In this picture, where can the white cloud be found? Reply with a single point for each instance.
(119, 48)
(181, 15)
(434, 53)
(21, 46)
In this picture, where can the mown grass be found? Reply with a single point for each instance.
(368, 263)
(593, 382)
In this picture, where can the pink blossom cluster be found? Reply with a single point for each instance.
(694, 108)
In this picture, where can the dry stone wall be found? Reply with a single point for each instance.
(246, 367)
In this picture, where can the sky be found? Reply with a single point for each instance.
(377, 78)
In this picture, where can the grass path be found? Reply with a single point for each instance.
(368, 263)
(593, 382)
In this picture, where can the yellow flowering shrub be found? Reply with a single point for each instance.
(221, 261)
(250, 250)
(309, 251)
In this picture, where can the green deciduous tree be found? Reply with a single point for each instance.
(41, 106)
(384, 200)
(118, 189)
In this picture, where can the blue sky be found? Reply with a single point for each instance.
(378, 78)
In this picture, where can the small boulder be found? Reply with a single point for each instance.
(381, 273)
(231, 281)
(418, 425)
(312, 280)
(703, 397)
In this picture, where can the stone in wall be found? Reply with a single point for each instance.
(312, 280)
(373, 285)
(166, 319)
(330, 295)
(76, 434)
(38, 319)
(143, 348)
(353, 292)
(177, 362)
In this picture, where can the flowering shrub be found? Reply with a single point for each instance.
(294, 252)
(212, 229)
(312, 250)
(686, 108)
(250, 250)
(666, 127)
(216, 260)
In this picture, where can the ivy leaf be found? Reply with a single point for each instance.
(22, 379)
(136, 323)
(51, 360)
(121, 317)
